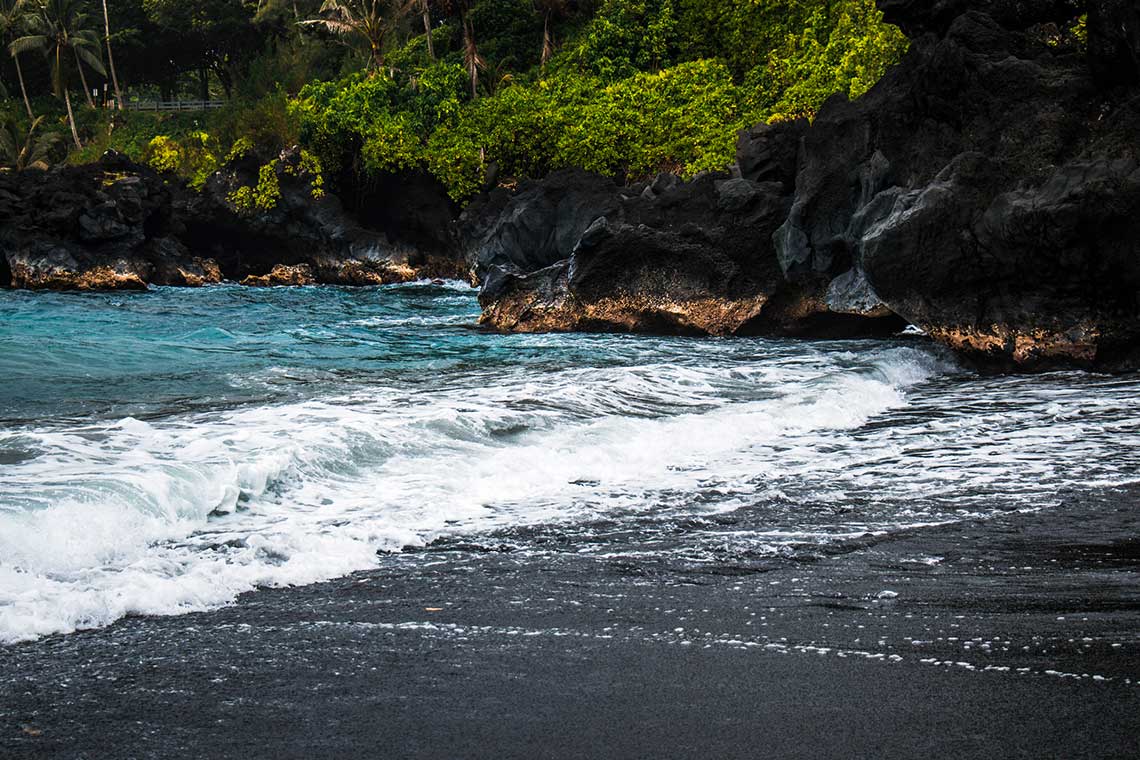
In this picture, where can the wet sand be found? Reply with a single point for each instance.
(1017, 636)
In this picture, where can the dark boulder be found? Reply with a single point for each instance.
(986, 189)
(536, 225)
(103, 226)
(115, 224)
(577, 252)
(410, 208)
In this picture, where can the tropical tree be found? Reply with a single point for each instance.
(111, 57)
(548, 9)
(472, 60)
(204, 37)
(32, 151)
(13, 15)
(62, 29)
(425, 12)
(368, 20)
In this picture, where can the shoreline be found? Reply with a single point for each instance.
(638, 655)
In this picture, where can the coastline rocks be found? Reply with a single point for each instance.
(987, 189)
(303, 227)
(578, 252)
(282, 274)
(536, 225)
(117, 225)
(106, 226)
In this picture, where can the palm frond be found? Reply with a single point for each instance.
(29, 44)
(336, 27)
(90, 59)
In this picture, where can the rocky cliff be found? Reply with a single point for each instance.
(986, 190)
(117, 225)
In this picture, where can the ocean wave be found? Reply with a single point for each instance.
(186, 511)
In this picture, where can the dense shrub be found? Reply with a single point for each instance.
(635, 86)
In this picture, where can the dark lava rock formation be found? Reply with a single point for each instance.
(986, 190)
(577, 252)
(107, 226)
(117, 225)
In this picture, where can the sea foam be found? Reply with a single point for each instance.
(184, 511)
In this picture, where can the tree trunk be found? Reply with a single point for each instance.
(225, 79)
(83, 81)
(376, 63)
(111, 58)
(472, 56)
(204, 83)
(427, 28)
(547, 42)
(71, 119)
(23, 89)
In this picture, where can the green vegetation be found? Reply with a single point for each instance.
(472, 91)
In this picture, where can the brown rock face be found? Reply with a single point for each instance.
(59, 278)
(534, 306)
(1024, 348)
(365, 272)
(282, 274)
(200, 272)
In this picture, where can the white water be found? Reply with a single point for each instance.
(187, 511)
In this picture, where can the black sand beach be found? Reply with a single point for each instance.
(1013, 637)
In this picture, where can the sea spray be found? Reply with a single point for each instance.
(356, 422)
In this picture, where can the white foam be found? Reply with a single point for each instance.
(188, 512)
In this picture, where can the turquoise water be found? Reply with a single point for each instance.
(174, 350)
(162, 452)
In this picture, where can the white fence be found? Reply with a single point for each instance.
(175, 105)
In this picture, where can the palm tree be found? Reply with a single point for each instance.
(472, 61)
(62, 29)
(425, 11)
(548, 8)
(111, 57)
(13, 14)
(369, 20)
(35, 153)
(83, 80)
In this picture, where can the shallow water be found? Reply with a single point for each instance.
(163, 452)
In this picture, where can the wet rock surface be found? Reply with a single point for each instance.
(577, 252)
